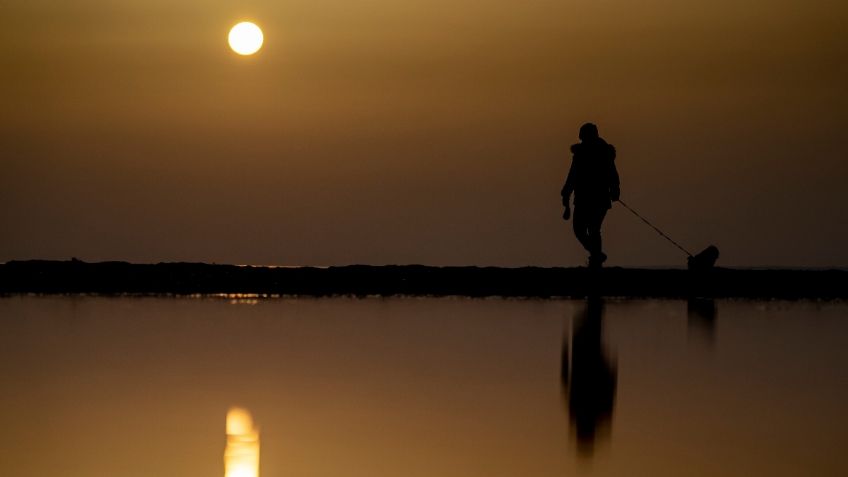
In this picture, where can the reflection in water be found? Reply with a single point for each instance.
(591, 388)
(420, 387)
(241, 457)
(701, 315)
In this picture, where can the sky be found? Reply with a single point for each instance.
(423, 131)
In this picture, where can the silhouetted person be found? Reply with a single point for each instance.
(593, 179)
(591, 389)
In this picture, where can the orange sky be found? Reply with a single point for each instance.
(429, 132)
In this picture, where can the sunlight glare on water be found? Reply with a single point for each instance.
(241, 457)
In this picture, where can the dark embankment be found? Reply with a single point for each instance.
(74, 276)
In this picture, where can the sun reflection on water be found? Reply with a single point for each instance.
(241, 457)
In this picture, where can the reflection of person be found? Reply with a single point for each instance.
(593, 179)
(592, 384)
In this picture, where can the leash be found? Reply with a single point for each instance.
(654, 227)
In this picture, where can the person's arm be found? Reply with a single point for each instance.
(567, 189)
(615, 190)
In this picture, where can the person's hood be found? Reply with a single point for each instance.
(583, 146)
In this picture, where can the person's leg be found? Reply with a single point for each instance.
(594, 220)
(581, 228)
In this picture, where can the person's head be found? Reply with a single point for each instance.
(588, 132)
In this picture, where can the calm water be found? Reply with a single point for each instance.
(423, 387)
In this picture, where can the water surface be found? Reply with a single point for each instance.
(96, 386)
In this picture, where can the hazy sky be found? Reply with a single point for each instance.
(420, 131)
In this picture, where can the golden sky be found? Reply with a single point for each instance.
(429, 132)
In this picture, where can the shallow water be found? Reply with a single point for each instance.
(96, 386)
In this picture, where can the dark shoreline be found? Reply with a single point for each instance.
(62, 277)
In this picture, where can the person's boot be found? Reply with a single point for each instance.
(597, 260)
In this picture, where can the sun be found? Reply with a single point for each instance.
(245, 38)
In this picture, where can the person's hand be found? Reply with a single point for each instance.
(566, 214)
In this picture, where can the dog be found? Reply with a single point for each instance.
(705, 260)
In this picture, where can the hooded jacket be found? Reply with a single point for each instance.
(592, 177)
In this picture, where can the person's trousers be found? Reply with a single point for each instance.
(587, 227)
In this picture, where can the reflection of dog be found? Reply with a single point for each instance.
(704, 260)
